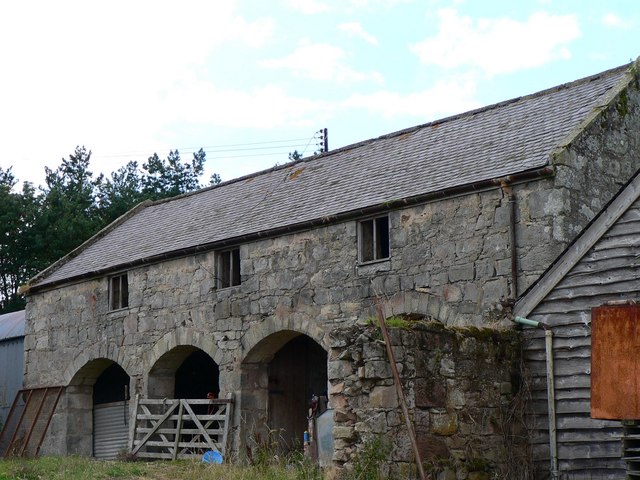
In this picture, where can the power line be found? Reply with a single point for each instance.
(221, 148)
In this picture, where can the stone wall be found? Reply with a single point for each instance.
(459, 386)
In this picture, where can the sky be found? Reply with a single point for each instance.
(251, 80)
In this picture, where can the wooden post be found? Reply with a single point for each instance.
(227, 419)
(176, 441)
(132, 423)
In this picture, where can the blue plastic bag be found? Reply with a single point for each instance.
(212, 456)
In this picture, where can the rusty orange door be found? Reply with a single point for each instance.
(615, 362)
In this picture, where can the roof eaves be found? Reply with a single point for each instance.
(524, 176)
(75, 252)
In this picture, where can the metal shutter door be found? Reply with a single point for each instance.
(110, 429)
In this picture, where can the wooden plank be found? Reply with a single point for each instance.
(191, 401)
(132, 422)
(626, 282)
(176, 417)
(577, 436)
(227, 421)
(203, 445)
(608, 276)
(616, 258)
(158, 455)
(571, 393)
(178, 432)
(184, 431)
(613, 252)
(607, 242)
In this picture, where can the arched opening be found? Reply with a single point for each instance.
(98, 410)
(184, 372)
(279, 377)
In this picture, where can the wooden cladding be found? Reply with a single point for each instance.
(615, 362)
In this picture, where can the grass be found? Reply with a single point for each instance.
(81, 468)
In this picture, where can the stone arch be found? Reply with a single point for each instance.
(185, 371)
(183, 336)
(80, 407)
(423, 303)
(97, 352)
(282, 366)
(281, 330)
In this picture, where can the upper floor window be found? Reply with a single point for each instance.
(229, 268)
(373, 240)
(118, 292)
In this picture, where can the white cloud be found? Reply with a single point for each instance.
(614, 21)
(269, 106)
(447, 97)
(98, 73)
(354, 29)
(499, 45)
(309, 7)
(321, 61)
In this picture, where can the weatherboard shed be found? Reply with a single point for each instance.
(597, 278)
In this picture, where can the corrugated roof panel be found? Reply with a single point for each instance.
(492, 142)
(12, 325)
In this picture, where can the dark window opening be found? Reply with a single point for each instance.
(229, 268)
(118, 292)
(374, 239)
(112, 385)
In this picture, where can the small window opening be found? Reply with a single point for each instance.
(374, 239)
(119, 292)
(229, 268)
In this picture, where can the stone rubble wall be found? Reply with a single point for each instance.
(459, 387)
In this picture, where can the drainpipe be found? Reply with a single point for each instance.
(551, 394)
(508, 190)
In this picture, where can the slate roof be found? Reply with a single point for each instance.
(503, 139)
(12, 325)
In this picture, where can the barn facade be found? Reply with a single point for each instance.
(240, 288)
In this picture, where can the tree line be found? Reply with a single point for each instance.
(40, 225)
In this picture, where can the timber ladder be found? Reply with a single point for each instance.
(179, 428)
(28, 421)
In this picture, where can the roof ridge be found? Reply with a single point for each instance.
(403, 131)
(485, 108)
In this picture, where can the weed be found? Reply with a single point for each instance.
(368, 462)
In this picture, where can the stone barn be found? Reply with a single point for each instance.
(265, 287)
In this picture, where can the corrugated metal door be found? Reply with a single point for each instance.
(110, 429)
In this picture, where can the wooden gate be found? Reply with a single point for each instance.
(176, 428)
